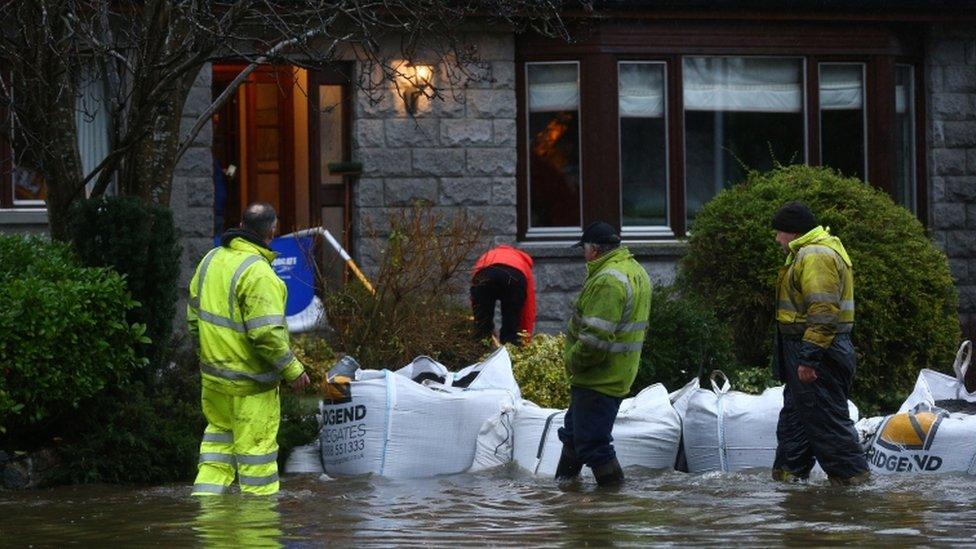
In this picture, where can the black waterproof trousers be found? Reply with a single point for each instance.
(490, 285)
(588, 425)
(814, 422)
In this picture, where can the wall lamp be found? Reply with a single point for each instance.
(416, 83)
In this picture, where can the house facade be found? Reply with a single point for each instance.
(651, 111)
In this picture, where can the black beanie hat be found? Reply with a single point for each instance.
(796, 218)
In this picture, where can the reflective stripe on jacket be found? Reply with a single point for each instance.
(606, 332)
(237, 309)
(815, 291)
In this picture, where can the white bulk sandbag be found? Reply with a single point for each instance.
(645, 433)
(924, 440)
(388, 424)
(305, 459)
(725, 430)
(932, 387)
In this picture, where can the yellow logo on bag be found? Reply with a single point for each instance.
(337, 390)
(909, 431)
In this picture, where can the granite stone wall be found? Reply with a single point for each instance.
(951, 120)
(456, 153)
(192, 196)
(460, 153)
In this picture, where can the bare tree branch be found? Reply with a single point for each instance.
(149, 53)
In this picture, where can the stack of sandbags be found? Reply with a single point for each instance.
(645, 433)
(725, 430)
(419, 421)
(934, 431)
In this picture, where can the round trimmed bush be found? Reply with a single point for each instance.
(906, 315)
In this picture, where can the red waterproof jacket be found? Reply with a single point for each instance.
(507, 255)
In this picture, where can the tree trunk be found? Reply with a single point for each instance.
(44, 86)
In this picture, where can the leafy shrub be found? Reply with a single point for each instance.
(906, 301)
(63, 335)
(684, 340)
(140, 432)
(753, 380)
(139, 241)
(299, 425)
(539, 371)
(417, 308)
(315, 353)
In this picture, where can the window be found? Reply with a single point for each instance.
(23, 183)
(842, 118)
(640, 123)
(904, 176)
(554, 145)
(740, 114)
(643, 145)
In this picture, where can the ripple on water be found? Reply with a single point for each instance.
(507, 508)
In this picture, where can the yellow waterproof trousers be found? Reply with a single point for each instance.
(241, 437)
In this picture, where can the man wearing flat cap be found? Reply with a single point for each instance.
(603, 348)
(814, 356)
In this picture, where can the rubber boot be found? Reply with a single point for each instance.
(783, 475)
(609, 473)
(569, 466)
(850, 481)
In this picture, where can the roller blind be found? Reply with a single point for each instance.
(641, 90)
(743, 84)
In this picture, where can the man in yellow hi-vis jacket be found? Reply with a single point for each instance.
(237, 312)
(814, 355)
(603, 348)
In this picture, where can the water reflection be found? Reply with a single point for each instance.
(505, 508)
(238, 520)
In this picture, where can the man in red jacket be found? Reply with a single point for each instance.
(503, 274)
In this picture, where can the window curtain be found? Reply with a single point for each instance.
(91, 118)
(903, 98)
(841, 87)
(744, 84)
(641, 90)
(553, 87)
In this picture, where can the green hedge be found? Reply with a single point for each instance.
(63, 335)
(906, 302)
(139, 241)
(144, 433)
(684, 339)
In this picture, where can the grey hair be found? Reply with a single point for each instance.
(260, 218)
(601, 249)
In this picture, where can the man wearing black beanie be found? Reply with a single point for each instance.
(814, 355)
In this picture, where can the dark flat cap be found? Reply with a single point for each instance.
(599, 232)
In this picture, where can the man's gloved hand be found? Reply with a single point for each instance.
(807, 374)
(300, 383)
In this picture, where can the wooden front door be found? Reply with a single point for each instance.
(270, 176)
(254, 131)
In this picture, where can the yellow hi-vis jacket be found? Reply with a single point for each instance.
(237, 309)
(815, 292)
(606, 333)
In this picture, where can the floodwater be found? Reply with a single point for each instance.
(504, 508)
